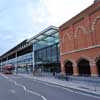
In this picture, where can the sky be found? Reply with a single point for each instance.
(22, 19)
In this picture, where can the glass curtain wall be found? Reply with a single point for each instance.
(46, 52)
(24, 63)
(48, 58)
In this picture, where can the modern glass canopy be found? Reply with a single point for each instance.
(47, 37)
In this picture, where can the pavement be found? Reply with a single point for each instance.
(79, 87)
(25, 87)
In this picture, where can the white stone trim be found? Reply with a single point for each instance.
(94, 23)
(71, 60)
(68, 34)
(83, 57)
(92, 63)
(78, 50)
(82, 28)
(76, 34)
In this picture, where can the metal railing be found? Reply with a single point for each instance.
(83, 81)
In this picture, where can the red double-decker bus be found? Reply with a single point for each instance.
(8, 69)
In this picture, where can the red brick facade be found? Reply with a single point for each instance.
(80, 43)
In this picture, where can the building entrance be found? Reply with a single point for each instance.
(84, 67)
(68, 68)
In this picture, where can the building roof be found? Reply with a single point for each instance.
(15, 48)
(45, 33)
(49, 31)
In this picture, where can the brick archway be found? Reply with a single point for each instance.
(68, 67)
(98, 65)
(84, 67)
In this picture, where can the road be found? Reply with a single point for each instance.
(14, 87)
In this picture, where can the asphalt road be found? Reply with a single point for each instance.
(20, 88)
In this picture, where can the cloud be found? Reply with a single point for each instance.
(62, 10)
(21, 19)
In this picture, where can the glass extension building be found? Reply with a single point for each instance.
(46, 50)
(41, 51)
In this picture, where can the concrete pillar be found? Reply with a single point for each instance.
(33, 56)
(75, 70)
(93, 67)
(16, 63)
(0, 65)
(6, 60)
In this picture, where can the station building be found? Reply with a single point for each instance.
(40, 51)
(80, 43)
(20, 57)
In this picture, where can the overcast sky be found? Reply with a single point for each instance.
(22, 19)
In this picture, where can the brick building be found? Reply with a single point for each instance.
(80, 43)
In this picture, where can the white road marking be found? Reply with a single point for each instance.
(25, 89)
(12, 91)
(15, 77)
(81, 93)
(54, 85)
